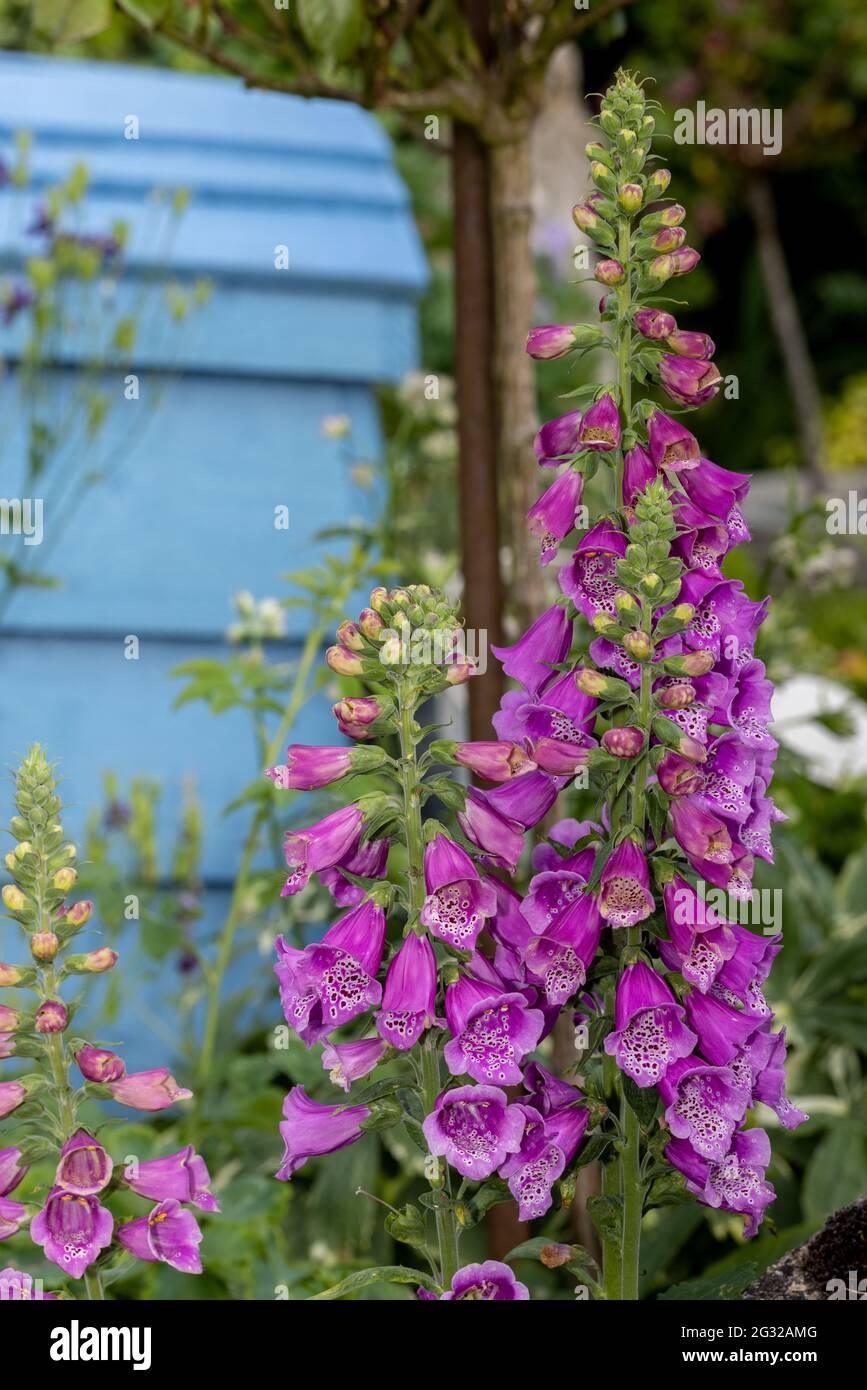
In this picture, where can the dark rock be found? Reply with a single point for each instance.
(837, 1252)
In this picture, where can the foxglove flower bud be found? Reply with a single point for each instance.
(344, 662)
(148, 1090)
(638, 644)
(679, 696)
(64, 879)
(679, 776)
(688, 380)
(610, 272)
(624, 741)
(44, 945)
(631, 197)
(92, 962)
(51, 1017)
(655, 324)
(690, 344)
(98, 1064)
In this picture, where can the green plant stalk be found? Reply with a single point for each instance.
(447, 1233)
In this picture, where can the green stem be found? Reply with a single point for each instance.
(93, 1284)
(447, 1232)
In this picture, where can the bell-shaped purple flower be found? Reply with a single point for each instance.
(624, 887)
(649, 1034)
(409, 997)
(348, 1062)
(499, 837)
(721, 1030)
(182, 1176)
(545, 644)
(492, 1032)
(17, 1287)
(169, 1234)
(700, 834)
(698, 947)
(320, 846)
(491, 1282)
(98, 1064)
(84, 1168)
(558, 439)
(689, 380)
(72, 1230)
(552, 516)
(307, 768)
(155, 1089)
(308, 1129)
(334, 980)
(474, 1128)
(550, 340)
(561, 957)
(735, 1183)
(703, 1104)
(458, 900)
(766, 1052)
(549, 1143)
(368, 860)
(590, 577)
(600, 428)
(671, 445)
(12, 1170)
(13, 1215)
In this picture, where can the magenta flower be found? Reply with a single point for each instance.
(589, 578)
(561, 957)
(84, 1168)
(688, 380)
(549, 1143)
(498, 761)
(320, 846)
(524, 800)
(348, 1062)
(13, 1216)
(649, 1034)
(492, 1032)
(679, 776)
(334, 980)
(12, 1094)
(368, 860)
(169, 1234)
(600, 428)
(671, 445)
(490, 1282)
(182, 1176)
(721, 1030)
(690, 344)
(552, 517)
(558, 439)
(51, 1017)
(624, 888)
(12, 1171)
(72, 1230)
(409, 997)
(500, 838)
(703, 1104)
(550, 340)
(474, 1128)
(355, 715)
(148, 1090)
(623, 741)
(309, 1129)
(735, 1183)
(766, 1055)
(547, 642)
(458, 899)
(654, 323)
(98, 1064)
(17, 1287)
(701, 835)
(307, 768)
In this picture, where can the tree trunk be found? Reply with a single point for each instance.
(514, 297)
(789, 330)
(477, 481)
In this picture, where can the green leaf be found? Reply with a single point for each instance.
(407, 1226)
(471, 1212)
(331, 27)
(725, 1286)
(642, 1102)
(363, 1278)
(837, 1171)
(68, 21)
(606, 1213)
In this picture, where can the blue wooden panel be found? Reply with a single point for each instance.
(189, 519)
(94, 710)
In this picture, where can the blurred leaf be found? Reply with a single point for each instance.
(837, 1171)
(388, 1274)
(69, 21)
(724, 1286)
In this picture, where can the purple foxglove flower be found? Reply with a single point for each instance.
(549, 1142)
(85, 1167)
(495, 761)
(72, 1230)
(726, 621)
(51, 1017)
(309, 1129)
(561, 957)
(550, 340)
(12, 1171)
(474, 1128)
(654, 323)
(698, 952)
(716, 491)
(755, 833)
(688, 380)
(649, 1034)
(557, 758)
(750, 708)
(458, 899)
(12, 1094)
(700, 834)
(737, 1183)
(684, 260)
(148, 1090)
(491, 1032)
(368, 860)
(334, 980)
(348, 1062)
(525, 799)
(169, 1234)
(307, 768)
(501, 839)
(746, 970)
(671, 445)
(623, 741)
(544, 645)
(567, 832)
(409, 997)
(730, 771)
(13, 1215)
(490, 1282)
(182, 1176)
(610, 272)
(624, 887)
(590, 577)
(16, 1287)
(560, 713)
(721, 1030)
(355, 714)
(702, 541)
(600, 428)
(558, 439)
(546, 1092)
(687, 344)
(766, 1052)
(98, 1064)
(553, 890)
(703, 1104)
(321, 846)
(343, 661)
(639, 470)
(552, 517)
(678, 776)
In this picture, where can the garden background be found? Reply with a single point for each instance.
(435, 493)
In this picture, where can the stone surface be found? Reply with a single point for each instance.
(837, 1252)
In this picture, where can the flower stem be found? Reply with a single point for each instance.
(447, 1233)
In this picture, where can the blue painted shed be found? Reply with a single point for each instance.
(188, 519)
